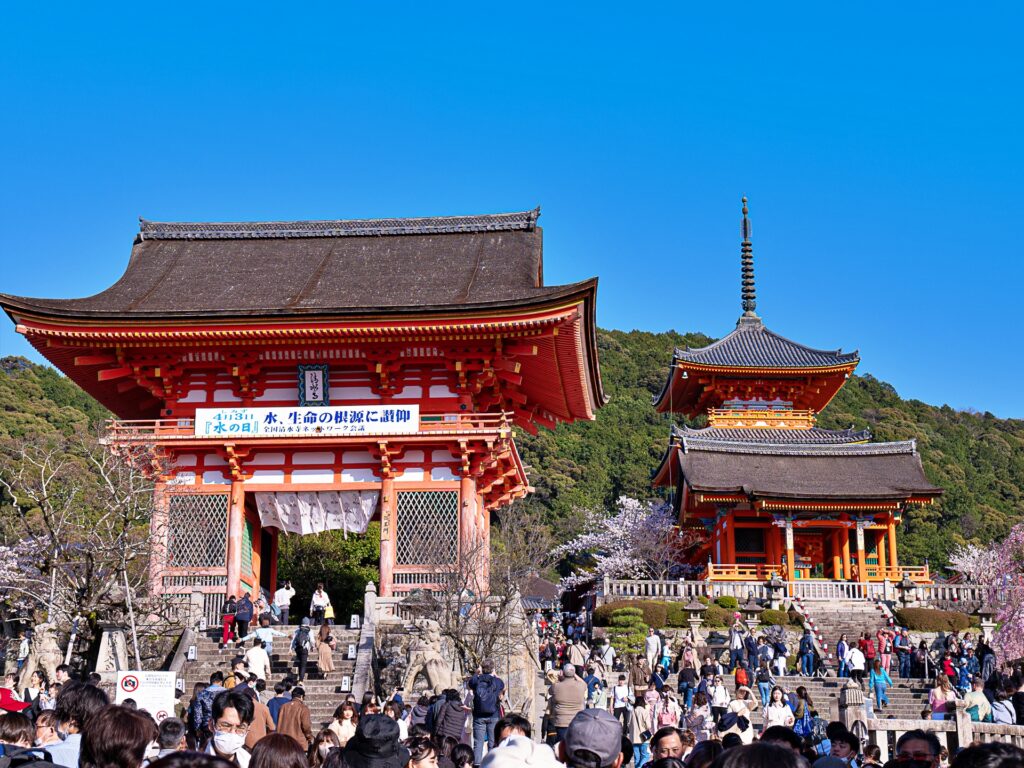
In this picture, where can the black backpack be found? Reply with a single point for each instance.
(15, 757)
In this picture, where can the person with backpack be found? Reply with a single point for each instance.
(487, 692)
(244, 611)
(765, 682)
(302, 643)
(781, 657)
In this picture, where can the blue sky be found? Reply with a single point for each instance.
(879, 144)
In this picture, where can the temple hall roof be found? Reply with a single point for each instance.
(309, 268)
(850, 471)
(812, 436)
(752, 345)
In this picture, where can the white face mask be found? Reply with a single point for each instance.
(323, 749)
(228, 743)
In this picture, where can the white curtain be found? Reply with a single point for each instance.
(316, 511)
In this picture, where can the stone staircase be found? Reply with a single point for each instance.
(834, 618)
(323, 692)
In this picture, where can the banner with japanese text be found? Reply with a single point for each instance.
(320, 421)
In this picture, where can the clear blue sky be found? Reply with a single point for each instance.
(879, 143)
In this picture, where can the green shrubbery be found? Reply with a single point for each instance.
(931, 619)
(659, 614)
(654, 613)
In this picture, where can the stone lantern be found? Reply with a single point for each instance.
(775, 585)
(907, 588)
(988, 621)
(696, 610)
(751, 613)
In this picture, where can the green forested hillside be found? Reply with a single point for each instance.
(977, 458)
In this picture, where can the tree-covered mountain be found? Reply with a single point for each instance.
(977, 458)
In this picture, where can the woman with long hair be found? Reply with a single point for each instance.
(778, 712)
(879, 682)
(639, 731)
(117, 737)
(344, 723)
(325, 650)
(940, 697)
(322, 744)
(699, 718)
(277, 750)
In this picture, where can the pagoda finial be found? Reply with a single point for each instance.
(747, 260)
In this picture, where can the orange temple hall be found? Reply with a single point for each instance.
(775, 493)
(306, 376)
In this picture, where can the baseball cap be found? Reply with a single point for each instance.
(520, 752)
(10, 704)
(596, 731)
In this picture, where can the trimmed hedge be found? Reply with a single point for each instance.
(654, 613)
(770, 617)
(931, 619)
(728, 602)
(717, 617)
(678, 616)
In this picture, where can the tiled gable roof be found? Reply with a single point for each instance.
(752, 345)
(812, 436)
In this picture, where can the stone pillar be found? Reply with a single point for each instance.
(370, 604)
(851, 706)
(388, 507)
(236, 520)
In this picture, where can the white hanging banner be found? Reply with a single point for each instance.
(315, 511)
(312, 422)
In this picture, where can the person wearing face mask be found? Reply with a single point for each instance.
(232, 716)
(77, 704)
(324, 742)
(46, 730)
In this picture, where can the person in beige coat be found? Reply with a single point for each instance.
(568, 698)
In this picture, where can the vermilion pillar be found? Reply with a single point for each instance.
(236, 519)
(387, 535)
(847, 571)
(837, 566)
(880, 550)
(893, 560)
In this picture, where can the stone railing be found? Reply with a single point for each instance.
(967, 597)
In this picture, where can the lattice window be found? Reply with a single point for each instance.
(749, 539)
(197, 531)
(427, 527)
(247, 548)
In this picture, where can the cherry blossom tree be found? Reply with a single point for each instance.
(977, 565)
(1008, 580)
(638, 540)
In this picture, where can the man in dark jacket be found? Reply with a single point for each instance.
(487, 692)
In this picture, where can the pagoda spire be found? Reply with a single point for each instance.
(747, 260)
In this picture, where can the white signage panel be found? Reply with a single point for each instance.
(151, 691)
(320, 421)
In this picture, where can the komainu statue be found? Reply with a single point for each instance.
(44, 654)
(425, 656)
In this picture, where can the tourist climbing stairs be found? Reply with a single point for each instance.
(323, 692)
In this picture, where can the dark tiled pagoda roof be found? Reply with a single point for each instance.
(752, 345)
(310, 268)
(812, 436)
(850, 471)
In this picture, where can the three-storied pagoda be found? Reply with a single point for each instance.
(314, 375)
(777, 493)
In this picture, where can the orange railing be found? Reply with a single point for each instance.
(743, 571)
(149, 430)
(753, 417)
(917, 574)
